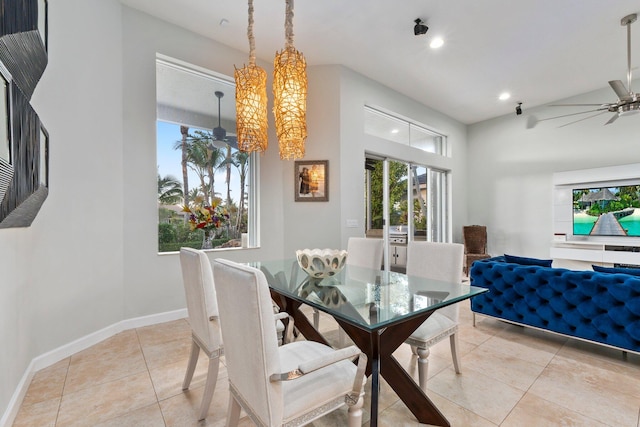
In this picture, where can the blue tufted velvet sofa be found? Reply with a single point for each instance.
(599, 307)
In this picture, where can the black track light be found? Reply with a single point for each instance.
(420, 29)
(518, 109)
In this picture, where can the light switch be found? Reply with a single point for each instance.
(352, 223)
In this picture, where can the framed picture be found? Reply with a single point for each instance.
(311, 178)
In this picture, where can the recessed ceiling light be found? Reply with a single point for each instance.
(436, 43)
(504, 96)
(394, 131)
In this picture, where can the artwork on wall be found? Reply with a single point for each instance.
(24, 142)
(311, 180)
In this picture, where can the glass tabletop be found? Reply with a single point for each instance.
(371, 299)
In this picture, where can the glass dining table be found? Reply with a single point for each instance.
(377, 309)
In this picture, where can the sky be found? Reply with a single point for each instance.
(168, 160)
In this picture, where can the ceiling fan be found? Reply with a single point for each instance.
(628, 102)
(220, 133)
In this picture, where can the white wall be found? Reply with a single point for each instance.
(152, 282)
(510, 168)
(336, 101)
(62, 277)
(316, 224)
(356, 92)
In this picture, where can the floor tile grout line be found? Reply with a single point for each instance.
(155, 391)
(64, 386)
(557, 355)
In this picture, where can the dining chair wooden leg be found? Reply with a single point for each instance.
(191, 367)
(210, 386)
(423, 367)
(453, 340)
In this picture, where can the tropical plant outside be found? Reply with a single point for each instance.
(397, 197)
(204, 159)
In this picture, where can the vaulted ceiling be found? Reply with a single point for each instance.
(538, 50)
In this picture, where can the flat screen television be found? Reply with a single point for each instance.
(607, 211)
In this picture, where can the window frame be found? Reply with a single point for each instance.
(251, 185)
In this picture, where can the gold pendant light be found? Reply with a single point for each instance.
(251, 100)
(290, 95)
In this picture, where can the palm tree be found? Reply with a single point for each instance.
(203, 158)
(169, 191)
(194, 193)
(240, 160)
(184, 130)
(227, 162)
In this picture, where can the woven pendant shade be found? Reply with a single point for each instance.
(251, 100)
(251, 108)
(290, 95)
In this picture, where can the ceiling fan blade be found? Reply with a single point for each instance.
(619, 89)
(612, 119)
(532, 121)
(602, 104)
(584, 118)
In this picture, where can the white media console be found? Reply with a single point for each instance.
(582, 254)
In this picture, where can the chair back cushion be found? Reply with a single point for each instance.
(200, 293)
(250, 341)
(438, 261)
(365, 252)
(475, 239)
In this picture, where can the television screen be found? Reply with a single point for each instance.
(607, 211)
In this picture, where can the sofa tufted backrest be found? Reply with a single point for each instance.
(600, 307)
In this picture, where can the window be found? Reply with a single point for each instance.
(428, 190)
(403, 131)
(198, 160)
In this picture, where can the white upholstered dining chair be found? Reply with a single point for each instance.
(361, 252)
(438, 261)
(291, 385)
(202, 308)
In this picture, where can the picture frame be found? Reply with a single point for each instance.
(311, 180)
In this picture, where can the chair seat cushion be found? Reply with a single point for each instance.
(323, 384)
(433, 329)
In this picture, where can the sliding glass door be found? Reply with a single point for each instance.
(390, 184)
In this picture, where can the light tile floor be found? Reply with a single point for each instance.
(511, 376)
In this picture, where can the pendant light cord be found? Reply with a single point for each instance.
(288, 24)
(252, 41)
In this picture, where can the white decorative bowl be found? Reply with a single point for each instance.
(320, 263)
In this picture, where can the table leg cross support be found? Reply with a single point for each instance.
(379, 346)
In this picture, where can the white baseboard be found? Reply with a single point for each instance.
(62, 352)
